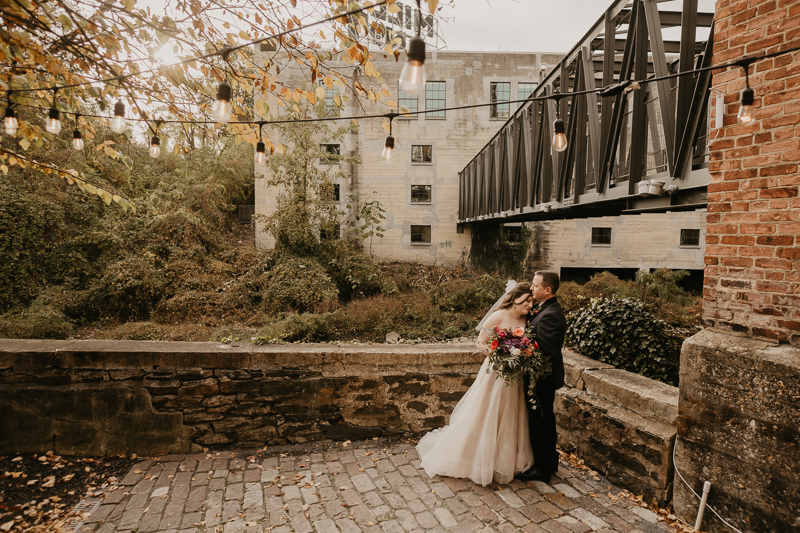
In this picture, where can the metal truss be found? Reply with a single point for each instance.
(656, 134)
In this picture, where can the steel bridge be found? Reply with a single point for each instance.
(639, 150)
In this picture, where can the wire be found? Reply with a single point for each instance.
(223, 52)
(675, 465)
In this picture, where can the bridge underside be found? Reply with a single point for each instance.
(632, 150)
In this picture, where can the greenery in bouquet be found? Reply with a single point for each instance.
(514, 354)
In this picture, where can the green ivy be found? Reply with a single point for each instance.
(620, 332)
(494, 250)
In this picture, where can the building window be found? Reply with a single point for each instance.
(524, 90)
(329, 94)
(512, 233)
(435, 98)
(690, 237)
(421, 153)
(408, 101)
(601, 235)
(499, 92)
(420, 194)
(420, 234)
(331, 152)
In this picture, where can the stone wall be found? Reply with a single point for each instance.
(739, 428)
(620, 423)
(96, 397)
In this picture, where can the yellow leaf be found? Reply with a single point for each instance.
(243, 34)
(81, 186)
(320, 92)
(25, 144)
(294, 3)
(388, 49)
(128, 4)
(91, 188)
(391, 103)
(386, 126)
(432, 5)
(393, 8)
(369, 69)
(106, 196)
(4, 169)
(337, 100)
(328, 81)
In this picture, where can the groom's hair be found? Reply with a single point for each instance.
(549, 279)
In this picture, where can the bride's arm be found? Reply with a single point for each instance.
(483, 337)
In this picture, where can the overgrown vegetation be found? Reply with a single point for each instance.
(495, 249)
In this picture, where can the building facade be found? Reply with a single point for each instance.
(419, 189)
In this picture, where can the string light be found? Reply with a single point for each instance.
(53, 124)
(388, 147)
(10, 120)
(261, 156)
(413, 77)
(77, 138)
(118, 124)
(559, 130)
(155, 142)
(221, 110)
(745, 114)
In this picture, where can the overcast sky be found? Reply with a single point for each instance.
(526, 25)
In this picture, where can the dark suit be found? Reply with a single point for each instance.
(550, 326)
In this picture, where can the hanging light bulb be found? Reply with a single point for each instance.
(53, 124)
(560, 136)
(388, 150)
(261, 157)
(10, 121)
(77, 139)
(155, 147)
(413, 78)
(118, 124)
(221, 111)
(745, 114)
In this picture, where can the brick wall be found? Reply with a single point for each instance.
(752, 276)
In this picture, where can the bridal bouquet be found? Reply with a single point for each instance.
(514, 353)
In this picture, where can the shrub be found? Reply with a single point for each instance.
(42, 320)
(299, 284)
(494, 250)
(355, 273)
(130, 288)
(469, 295)
(620, 332)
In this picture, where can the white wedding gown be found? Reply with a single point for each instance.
(487, 438)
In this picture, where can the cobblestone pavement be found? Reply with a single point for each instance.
(366, 486)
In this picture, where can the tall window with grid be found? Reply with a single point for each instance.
(407, 100)
(435, 98)
(499, 91)
(329, 94)
(524, 90)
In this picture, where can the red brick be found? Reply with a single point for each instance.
(750, 229)
(757, 251)
(708, 260)
(775, 240)
(730, 218)
(771, 286)
(721, 186)
(792, 253)
(783, 264)
(790, 180)
(777, 216)
(722, 228)
(792, 325)
(789, 229)
(739, 240)
(719, 208)
(779, 192)
(738, 153)
(736, 261)
(712, 218)
(772, 275)
(780, 146)
(740, 206)
(740, 195)
(712, 239)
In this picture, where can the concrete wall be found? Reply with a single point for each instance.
(98, 397)
(637, 241)
(456, 139)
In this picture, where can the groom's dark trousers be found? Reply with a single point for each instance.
(550, 326)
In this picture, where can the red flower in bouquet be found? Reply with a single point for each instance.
(514, 354)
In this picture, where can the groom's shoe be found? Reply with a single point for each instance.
(533, 474)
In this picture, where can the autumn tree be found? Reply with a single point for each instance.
(85, 56)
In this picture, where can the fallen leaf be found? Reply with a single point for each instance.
(16, 459)
(32, 482)
(7, 525)
(49, 481)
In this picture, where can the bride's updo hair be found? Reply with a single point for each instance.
(522, 289)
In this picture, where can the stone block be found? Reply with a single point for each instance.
(646, 397)
(739, 428)
(347, 431)
(574, 366)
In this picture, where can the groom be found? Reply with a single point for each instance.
(550, 325)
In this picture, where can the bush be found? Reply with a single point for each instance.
(130, 288)
(469, 296)
(42, 320)
(299, 284)
(356, 274)
(620, 332)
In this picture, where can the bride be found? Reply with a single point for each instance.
(487, 437)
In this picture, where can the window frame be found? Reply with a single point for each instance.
(520, 95)
(433, 113)
(326, 159)
(418, 242)
(423, 162)
(429, 195)
(598, 236)
(403, 97)
(497, 104)
(695, 236)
